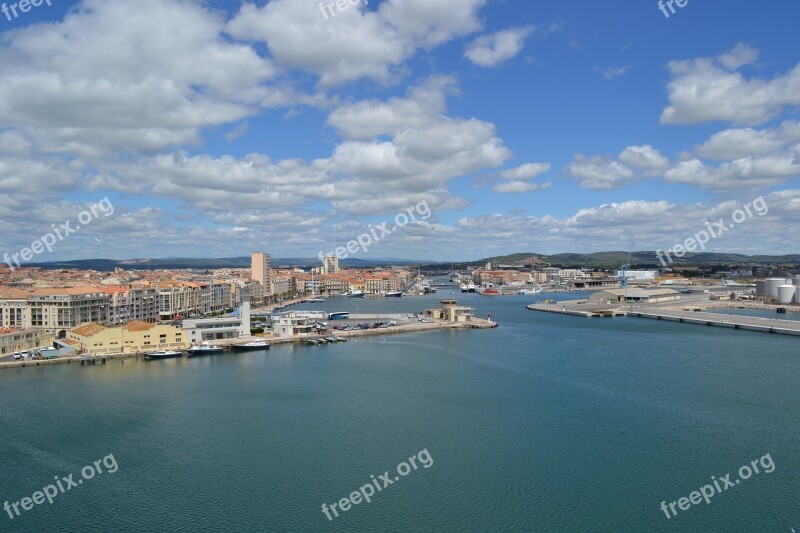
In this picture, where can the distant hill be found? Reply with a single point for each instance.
(615, 259)
(605, 260)
(208, 264)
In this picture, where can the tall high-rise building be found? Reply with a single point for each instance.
(330, 264)
(259, 270)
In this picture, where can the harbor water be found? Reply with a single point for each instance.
(546, 423)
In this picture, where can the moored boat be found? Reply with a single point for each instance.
(204, 348)
(251, 346)
(163, 354)
(394, 294)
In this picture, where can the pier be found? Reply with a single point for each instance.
(698, 317)
(588, 311)
(764, 325)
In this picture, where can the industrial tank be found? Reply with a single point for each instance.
(772, 286)
(786, 293)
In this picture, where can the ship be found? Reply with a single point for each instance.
(531, 292)
(357, 294)
(251, 346)
(471, 287)
(204, 349)
(394, 294)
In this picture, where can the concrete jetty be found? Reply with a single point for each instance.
(748, 323)
(588, 311)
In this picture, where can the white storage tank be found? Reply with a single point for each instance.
(772, 286)
(786, 293)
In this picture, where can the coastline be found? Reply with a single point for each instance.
(474, 323)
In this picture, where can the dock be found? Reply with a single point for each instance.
(589, 312)
(750, 323)
(742, 322)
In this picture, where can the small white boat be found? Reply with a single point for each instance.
(357, 294)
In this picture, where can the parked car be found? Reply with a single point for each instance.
(17, 356)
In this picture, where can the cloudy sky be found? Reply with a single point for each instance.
(221, 127)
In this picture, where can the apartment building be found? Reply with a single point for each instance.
(68, 307)
(260, 270)
(330, 265)
(14, 308)
(131, 303)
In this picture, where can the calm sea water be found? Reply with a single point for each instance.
(547, 423)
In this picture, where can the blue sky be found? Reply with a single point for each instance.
(219, 128)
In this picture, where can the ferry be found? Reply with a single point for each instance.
(251, 346)
(471, 287)
(163, 354)
(531, 292)
(204, 349)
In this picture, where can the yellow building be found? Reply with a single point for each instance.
(133, 337)
(16, 340)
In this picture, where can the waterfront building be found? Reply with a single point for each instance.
(635, 296)
(18, 340)
(209, 329)
(451, 311)
(292, 325)
(134, 337)
(220, 328)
